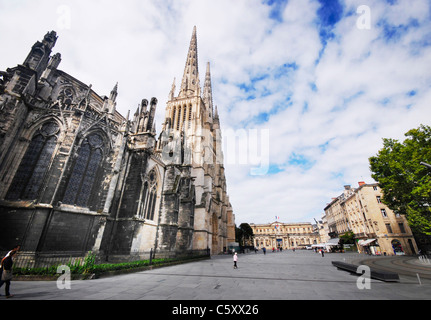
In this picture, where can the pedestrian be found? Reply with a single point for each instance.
(6, 272)
(235, 261)
(322, 253)
(264, 250)
(15, 249)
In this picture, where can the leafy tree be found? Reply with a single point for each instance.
(243, 233)
(405, 180)
(348, 238)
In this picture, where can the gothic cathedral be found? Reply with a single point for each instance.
(77, 176)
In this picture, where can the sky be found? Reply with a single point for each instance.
(306, 89)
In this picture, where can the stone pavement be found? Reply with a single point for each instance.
(287, 275)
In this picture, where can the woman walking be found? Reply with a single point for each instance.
(6, 274)
(235, 261)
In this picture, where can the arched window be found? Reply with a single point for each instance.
(178, 118)
(190, 116)
(184, 119)
(35, 163)
(84, 172)
(174, 114)
(149, 197)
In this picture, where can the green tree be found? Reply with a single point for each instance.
(243, 233)
(348, 238)
(405, 181)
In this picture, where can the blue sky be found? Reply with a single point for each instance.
(320, 92)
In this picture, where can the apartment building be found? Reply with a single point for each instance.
(377, 229)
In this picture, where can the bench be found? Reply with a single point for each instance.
(375, 274)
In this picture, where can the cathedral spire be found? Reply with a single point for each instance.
(208, 93)
(190, 85)
(114, 93)
(172, 93)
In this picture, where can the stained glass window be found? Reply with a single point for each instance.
(84, 173)
(30, 175)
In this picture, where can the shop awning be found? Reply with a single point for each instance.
(319, 245)
(333, 242)
(366, 242)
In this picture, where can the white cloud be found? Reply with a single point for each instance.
(329, 105)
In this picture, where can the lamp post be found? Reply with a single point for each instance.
(426, 165)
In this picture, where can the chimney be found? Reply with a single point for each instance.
(361, 183)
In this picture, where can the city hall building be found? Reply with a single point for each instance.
(279, 235)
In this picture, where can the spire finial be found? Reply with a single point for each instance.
(114, 93)
(190, 85)
(172, 93)
(208, 95)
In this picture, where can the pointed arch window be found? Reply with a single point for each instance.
(179, 118)
(84, 173)
(149, 197)
(29, 177)
(184, 114)
(190, 116)
(174, 117)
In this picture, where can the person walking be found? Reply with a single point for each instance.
(6, 272)
(235, 261)
(16, 249)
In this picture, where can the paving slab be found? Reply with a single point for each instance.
(287, 275)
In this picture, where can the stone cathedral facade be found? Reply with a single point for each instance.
(77, 176)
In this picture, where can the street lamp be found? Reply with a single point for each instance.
(426, 165)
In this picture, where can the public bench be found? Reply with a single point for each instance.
(375, 274)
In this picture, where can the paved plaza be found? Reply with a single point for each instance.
(287, 275)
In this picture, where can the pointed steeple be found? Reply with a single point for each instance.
(208, 93)
(172, 93)
(114, 93)
(190, 85)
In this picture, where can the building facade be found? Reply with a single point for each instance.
(377, 230)
(335, 216)
(284, 235)
(77, 176)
